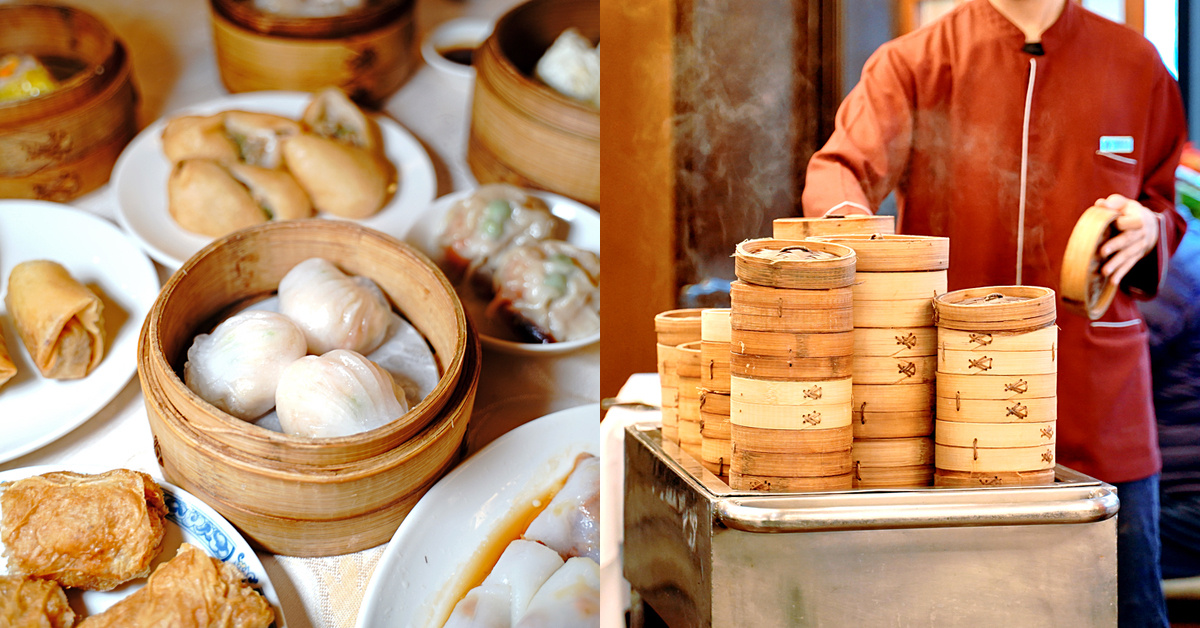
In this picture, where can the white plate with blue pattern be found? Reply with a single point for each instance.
(189, 520)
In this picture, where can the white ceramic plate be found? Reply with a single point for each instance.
(189, 520)
(140, 178)
(417, 581)
(583, 224)
(34, 410)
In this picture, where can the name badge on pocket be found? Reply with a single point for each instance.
(1116, 144)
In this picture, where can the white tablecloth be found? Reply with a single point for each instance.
(171, 48)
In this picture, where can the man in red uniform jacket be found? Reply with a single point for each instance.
(998, 126)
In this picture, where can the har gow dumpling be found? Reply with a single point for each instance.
(238, 365)
(334, 310)
(336, 394)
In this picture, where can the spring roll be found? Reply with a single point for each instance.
(192, 590)
(84, 531)
(7, 368)
(33, 603)
(59, 319)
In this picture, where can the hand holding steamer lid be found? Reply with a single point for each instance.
(1109, 238)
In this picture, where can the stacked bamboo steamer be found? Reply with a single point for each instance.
(791, 342)
(673, 328)
(997, 370)
(715, 447)
(895, 356)
(687, 377)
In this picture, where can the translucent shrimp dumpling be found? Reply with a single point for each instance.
(336, 394)
(237, 366)
(333, 309)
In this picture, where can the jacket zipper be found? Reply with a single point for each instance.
(1024, 170)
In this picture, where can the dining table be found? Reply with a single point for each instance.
(174, 67)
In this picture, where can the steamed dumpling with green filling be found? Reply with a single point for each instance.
(336, 394)
(333, 309)
(237, 366)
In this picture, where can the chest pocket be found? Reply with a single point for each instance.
(1116, 174)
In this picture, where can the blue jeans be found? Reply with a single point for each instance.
(1179, 522)
(1140, 599)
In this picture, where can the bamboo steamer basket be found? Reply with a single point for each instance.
(745, 481)
(675, 327)
(763, 416)
(795, 321)
(893, 477)
(669, 387)
(966, 479)
(995, 308)
(896, 313)
(63, 144)
(1031, 410)
(994, 435)
(797, 228)
(789, 465)
(714, 324)
(899, 286)
(522, 131)
(887, 252)
(892, 452)
(791, 393)
(287, 493)
(998, 362)
(999, 387)
(715, 454)
(1084, 290)
(991, 460)
(792, 344)
(690, 440)
(791, 442)
(687, 363)
(789, 264)
(714, 425)
(714, 402)
(1043, 339)
(872, 398)
(885, 370)
(771, 301)
(895, 342)
(367, 53)
(871, 425)
(714, 349)
(789, 369)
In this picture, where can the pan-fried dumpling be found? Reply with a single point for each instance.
(274, 191)
(237, 367)
(570, 597)
(203, 197)
(334, 310)
(198, 137)
(333, 115)
(336, 394)
(549, 290)
(341, 179)
(259, 136)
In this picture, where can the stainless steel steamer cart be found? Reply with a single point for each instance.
(702, 554)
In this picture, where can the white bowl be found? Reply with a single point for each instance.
(462, 32)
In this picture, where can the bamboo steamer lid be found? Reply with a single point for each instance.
(892, 452)
(1031, 410)
(882, 370)
(798, 228)
(905, 286)
(957, 362)
(792, 442)
(714, 402)
(983, 459)
(751, 298)
(893, 477)
(868, 424)
(792, 418)
(1084, 290)
(675, 327)
(714, 324)
(896, 342)
(789, 465)
(996, 308)
(792, 344)
(713, 425)
(994, 435)
(898, 313)
(871, 398)
(767, 484)
(790, 264)
(791, 393)
(889, 253)
(966, 479)
(772, 368)
(1035, 340)
(794, 321)
(716, 454)
(1001, 387)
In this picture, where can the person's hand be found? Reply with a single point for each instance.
(1138, 236)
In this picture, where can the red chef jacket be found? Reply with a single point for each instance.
(1001, 150)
